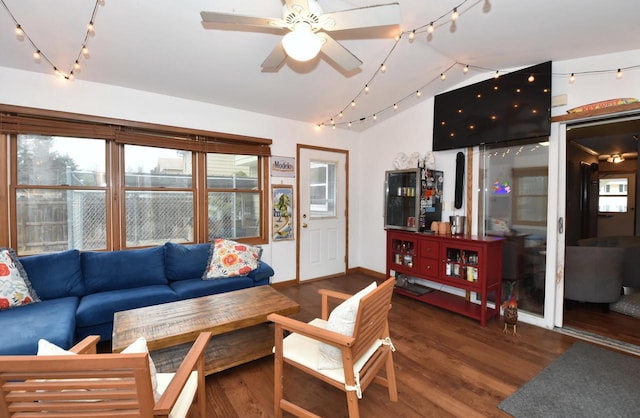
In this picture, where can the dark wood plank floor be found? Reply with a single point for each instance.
(592, 318)
(446, 365)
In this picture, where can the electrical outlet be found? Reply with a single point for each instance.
(444, 205)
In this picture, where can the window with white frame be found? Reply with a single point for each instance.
(322, 185)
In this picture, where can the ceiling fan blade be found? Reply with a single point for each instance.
(209, 19)
(338, 53)
(363, 17)
(275, 58)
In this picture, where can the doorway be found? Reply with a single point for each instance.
(601, 186)
(322, 212)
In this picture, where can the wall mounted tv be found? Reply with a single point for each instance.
(512, 107)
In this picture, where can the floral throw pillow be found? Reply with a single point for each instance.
(15, 288)
(231, 259)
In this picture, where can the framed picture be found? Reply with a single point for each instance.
(282, 204)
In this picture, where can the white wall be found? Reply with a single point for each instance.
(22, 88)
(371, 152)
(412, 130)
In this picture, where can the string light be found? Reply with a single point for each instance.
(39, 55)
(430, 28)
(340, 115)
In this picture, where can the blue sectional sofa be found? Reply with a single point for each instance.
(80, 292)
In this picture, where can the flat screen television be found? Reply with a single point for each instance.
(512, 107)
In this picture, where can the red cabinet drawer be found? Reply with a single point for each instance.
(429, 267)
(429, 249)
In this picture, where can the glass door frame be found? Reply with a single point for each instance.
(554, 260)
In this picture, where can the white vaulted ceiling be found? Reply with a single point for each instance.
(162, 47)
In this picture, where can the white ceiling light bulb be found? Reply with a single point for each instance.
(455, 14)
(19, 33)
(301, 44)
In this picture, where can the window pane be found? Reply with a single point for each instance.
(613, 195)
(157, 167)
(322, 189)
(228, 171)
(156, 217)
(53, 161)
(234, 215)
(56, 220)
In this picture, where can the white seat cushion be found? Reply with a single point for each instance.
(181, 408)
(306, 351)
(342, 320)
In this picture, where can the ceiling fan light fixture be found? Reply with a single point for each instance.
(301, 43)
(615, 159)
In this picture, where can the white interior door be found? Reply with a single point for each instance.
(322, 213)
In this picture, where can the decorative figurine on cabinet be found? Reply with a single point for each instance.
(510, 307)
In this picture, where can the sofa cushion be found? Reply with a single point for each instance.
(15, 288)
(53, 320)
(55, 275)
(185, 261)
(231, 259)
(98, 308)
(124, 269)
(186, 289)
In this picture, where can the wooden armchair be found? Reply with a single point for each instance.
(100, 385)
(363, 354)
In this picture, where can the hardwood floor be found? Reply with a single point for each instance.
(592, 318)
(446, 365)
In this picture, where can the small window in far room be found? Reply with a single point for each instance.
(613, 195)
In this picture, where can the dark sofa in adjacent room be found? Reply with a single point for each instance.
(80, 292)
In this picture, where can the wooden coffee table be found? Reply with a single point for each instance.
(237, 320)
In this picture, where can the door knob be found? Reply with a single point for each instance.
(304, 225)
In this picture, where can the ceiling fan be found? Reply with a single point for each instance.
(307, 26)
